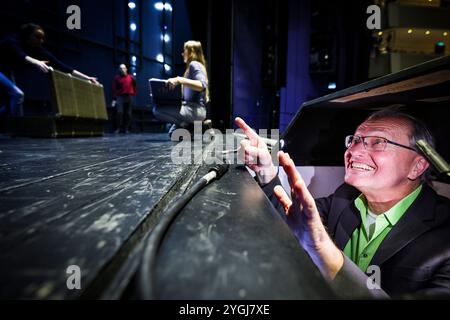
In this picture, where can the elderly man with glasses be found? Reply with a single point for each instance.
(384, 231)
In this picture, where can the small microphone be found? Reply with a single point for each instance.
(219, 169)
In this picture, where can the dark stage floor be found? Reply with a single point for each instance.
(90, 202)
(74, 201)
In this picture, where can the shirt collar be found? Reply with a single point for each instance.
(394, 214)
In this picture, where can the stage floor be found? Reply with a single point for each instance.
(75, 202)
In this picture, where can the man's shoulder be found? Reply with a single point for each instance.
(430, 192)
(442, 199)
(442, 204)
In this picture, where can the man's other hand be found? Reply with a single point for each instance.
(304, 219)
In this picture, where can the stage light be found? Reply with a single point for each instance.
(163, 6)
(160, 58)
(133, 26)
(133, 70)
(445, 34)
(380, 33)
(427, 32)
(168, 7)
(133, 60)
(131, 5)
(332, 86)
(165, 37)
(410, 30)
(167, 67)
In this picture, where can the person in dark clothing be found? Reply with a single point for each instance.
(25, 49)
(124, 88)
(384, 220)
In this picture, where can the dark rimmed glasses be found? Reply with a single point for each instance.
(372, 143)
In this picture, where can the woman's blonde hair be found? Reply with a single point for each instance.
(195, 53)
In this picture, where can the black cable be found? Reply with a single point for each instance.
(145, 275)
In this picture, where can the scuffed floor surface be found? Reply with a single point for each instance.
(74, 201)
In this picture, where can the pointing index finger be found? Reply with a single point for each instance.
(247, 130)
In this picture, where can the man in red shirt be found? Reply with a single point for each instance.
(124, 88)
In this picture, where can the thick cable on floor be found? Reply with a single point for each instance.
(146, 272)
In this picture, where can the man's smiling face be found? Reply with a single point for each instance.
(381, 171)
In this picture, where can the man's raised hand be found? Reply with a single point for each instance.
(256, 155)
(304, 220)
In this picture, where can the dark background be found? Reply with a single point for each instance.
(265, 57)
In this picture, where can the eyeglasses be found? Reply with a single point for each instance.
(372, 143)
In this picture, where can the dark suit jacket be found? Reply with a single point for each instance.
(414, 258)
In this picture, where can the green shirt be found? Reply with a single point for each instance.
(360, 248)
